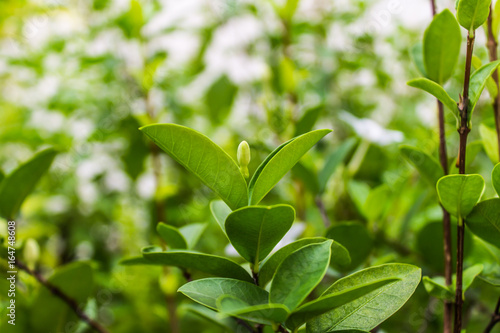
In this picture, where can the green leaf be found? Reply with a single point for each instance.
(332, 301)
(490, 142)
(478, 81)
(441, 47)
(460, 193)
(206, 263)
(255, 230)
(437, 91)
(428, 167)
(306, 122)
(307, 176)
(491, 280)
(289, 9)
(192, 233)
(21, 182)
(265, 314)
(469, 275)
(220, 211)
(484, 221)
(495, 178)
(471, 14)
(356, 239)
(219, 99)
(299, 274)
(376, 202)
(206, 160)
(417, 54)
(171, 235)
(279, 162)
(49, 311)
(207, 291)
(229, 324)
(333, 161)
(268, 267)
(340, 256)
(436, 287)
(367, 312)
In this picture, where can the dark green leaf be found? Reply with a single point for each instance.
(484, 221)
(428, 167)
(21, 182)
(171, 235)
(279, 162)
(495, 178)
(308, 119)
(436, 287)
(299, 274)
(229, 324)
(255, 230)
(265, 314)
(220, 211)
(204, 159)
(219, 99)
(333, 161)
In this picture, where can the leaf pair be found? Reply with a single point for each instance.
(214, 167)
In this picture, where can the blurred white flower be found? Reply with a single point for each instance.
(372, 131)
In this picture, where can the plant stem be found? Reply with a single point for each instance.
(464, 132)
(73, 304)
(492, 50)
(495, 318)
(321, 206)
(433, 7)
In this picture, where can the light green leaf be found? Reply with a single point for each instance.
(48, 311)
(491, 86)
(279, 162)
(367, 312)
(496, 19)
(469, 275)
(495, 178)
(171, 235)
(333, 161)
(299, 274)
(206, 263)
(490, 142)
(219, 99)
(441, 47)
(478, 81)
(437, 91)
(484, 221)
(289, 9)
(134, 261)
(192, 233)
(417, 54)
(206, 160)
(471, 14)
(436, 287)
(220, 211)
(255, 230)
(357, 240)
(207, 291)
(20, 183)
(428, 167)
(265, 314)
(332, 301)
(268, 267)
(460, 193)
(376, 202)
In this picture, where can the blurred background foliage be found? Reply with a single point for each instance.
(82, 76)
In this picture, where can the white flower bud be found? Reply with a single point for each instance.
(244, 158)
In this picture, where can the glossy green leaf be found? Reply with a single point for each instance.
(333, 161)
(308, 120)
(437, 91)
(49, 311)
(484, 221)
(192, 233)
(136, 260)
(441, 47)
(478, 81)
(206, 160)
(340, 256)
(495, 178)
(355, 238)
(417, 54)
(228, 324)
(191, 260)
(471, 14)
(436, 287)
(299, 274)
(469, 275)
(207, 291)
(428, 167)
(255, 230)
(491, 86)
(460, 193)
(20, 183)
(490, 142)
(332, 301)
(171, 235)
(220, 211)
(367, 312)
(279, 162)
(265, 314)
(268, 267)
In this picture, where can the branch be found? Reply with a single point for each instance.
(495, 318)
(65, 298)
(492, 50)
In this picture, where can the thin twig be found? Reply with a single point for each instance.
(495, 318)
(493, 53)
(73, 304)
